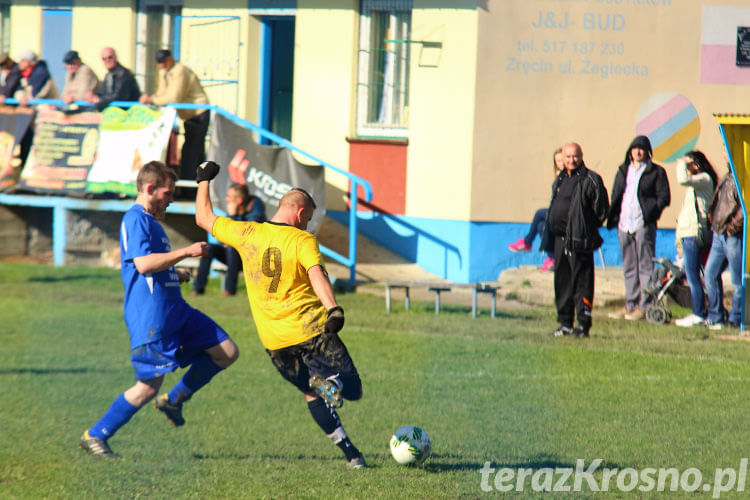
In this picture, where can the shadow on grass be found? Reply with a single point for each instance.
(48, 371)
(534, 464)
(68, 277)
(265, 457)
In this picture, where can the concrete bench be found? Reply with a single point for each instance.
(439, 287)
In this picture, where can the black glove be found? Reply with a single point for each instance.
(335, 321)
(206, 171)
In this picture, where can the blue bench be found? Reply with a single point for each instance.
(438, 287)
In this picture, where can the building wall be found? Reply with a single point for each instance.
(28, 16)
(441, 113)
(591, 72)
(91, 34)
(324, 86)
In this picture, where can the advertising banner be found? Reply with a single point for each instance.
(14, 122)
(269, 171)
(127, 140)
(62, 153)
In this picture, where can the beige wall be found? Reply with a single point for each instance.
(324, 74)
(441, 112)
(90, 35)
(527, 104)
(30, 36)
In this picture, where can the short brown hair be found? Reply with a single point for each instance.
(156, 173)
(242, 190)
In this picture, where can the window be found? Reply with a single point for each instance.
(157, 25)
(383, 81)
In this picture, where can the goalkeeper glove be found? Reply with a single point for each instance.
(206, 171)
(335, 321)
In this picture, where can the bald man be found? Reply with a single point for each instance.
(578, 208)
(293, 304)
(119, 84)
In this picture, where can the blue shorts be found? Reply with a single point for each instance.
(165, 355)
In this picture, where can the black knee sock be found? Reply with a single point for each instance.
(328, 420)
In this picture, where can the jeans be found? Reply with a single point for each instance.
(725, 250)
(692, 256)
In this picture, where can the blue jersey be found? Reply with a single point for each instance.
(154, 307)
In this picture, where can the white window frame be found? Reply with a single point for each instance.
(145, 47)
(392, 118)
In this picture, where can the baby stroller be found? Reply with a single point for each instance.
(668, 279)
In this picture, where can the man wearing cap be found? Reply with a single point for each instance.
(178, 83)
(79, 79)
(639, 196)
(36, 80)
(119, 84)
(10, 77)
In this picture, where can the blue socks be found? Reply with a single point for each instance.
(118, 415)
(199, 374)
(201, 371)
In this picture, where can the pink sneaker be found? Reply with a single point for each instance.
(519, 246)
(548, 265)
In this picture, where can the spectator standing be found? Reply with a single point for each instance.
(639, 196)
(79, 78)
(696, 173)
(119, 83)
(178, 83)
(726, 218)
(578, 208)
(241, 206)
(10, 77)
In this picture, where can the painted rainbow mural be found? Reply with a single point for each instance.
(671, 123)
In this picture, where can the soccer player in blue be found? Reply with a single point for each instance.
(165, 332)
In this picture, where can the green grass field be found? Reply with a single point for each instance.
(500, 391)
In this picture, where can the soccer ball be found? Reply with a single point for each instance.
(410, 445)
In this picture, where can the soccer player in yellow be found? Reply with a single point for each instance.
(292, 302)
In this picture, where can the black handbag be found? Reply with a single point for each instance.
(705, 235)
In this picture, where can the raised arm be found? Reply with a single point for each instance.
(204, 211)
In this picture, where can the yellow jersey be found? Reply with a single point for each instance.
(275, 260)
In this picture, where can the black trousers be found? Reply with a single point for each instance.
(574, 285)
(194, 146)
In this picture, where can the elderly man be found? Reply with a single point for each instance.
(79, 79)
(178, 83)
(578, 208)
(119, 84)
(36, 80)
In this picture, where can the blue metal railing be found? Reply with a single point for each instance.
(354, 180)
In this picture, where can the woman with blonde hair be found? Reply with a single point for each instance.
(538, 223)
